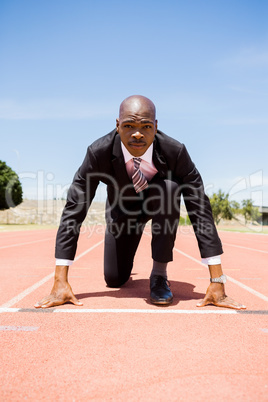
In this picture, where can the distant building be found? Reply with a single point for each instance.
(263, 219)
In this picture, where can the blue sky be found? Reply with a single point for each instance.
(65, 66)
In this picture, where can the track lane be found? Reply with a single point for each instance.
(184, 242)
(81, 356)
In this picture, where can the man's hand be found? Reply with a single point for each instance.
(216, 295)
(61, 292)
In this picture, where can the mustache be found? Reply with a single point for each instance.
(137, 142)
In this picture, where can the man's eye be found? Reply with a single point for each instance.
(128, 125)
(147, 126)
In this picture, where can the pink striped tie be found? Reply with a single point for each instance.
(138, 178)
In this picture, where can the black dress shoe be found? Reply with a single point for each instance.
(160, 291)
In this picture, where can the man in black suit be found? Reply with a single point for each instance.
(145, 172)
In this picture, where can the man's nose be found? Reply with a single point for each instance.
(137, 135)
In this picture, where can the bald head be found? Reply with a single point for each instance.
(135, 103)
(137, 125)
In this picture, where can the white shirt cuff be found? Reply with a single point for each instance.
(60, 261)
(215, 260)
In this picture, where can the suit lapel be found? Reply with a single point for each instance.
(118, 163)
(159, 160)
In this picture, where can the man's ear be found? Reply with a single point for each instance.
(117, 124)
(156, 126)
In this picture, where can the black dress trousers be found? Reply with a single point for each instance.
(160, 203)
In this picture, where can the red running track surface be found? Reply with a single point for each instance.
(119, 347)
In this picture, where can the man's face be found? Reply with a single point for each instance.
(136, 126)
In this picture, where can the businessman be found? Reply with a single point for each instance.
(146, 173)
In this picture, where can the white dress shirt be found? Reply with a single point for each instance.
(147, 166)
(149, 170)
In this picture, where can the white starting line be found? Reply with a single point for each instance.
(130, 311)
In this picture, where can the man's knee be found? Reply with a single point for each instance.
(114, 282)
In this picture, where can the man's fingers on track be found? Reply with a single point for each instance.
(52, 302)
(42, 302)
(76, 302)
(230, 303)
(238, 307)
(227, 303)
(207, 300)
(203, 303)
(48, 301)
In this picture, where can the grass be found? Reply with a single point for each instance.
(20, 227)
(264, 230)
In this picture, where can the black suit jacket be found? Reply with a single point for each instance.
(104, 161)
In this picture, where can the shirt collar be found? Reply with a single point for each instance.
(147, 156)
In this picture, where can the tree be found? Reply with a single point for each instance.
(221, 207)
(10, 187)
(249, 211)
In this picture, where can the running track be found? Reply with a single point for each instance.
(118, 347)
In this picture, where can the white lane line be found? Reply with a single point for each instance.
(26, 292)
(15, 328)
(250, 279)
(28, 242)
(32, 288)
(250, 290)
(245, 248)
(132, 311)
(243, 233)
(88, 250)
(245, 287)
(188, 256)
